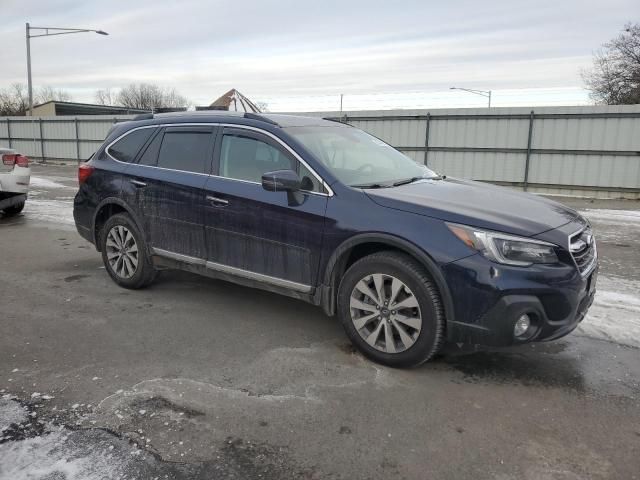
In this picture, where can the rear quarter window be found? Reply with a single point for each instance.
(126, 149)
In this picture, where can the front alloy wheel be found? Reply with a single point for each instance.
(391, 309)
(385, 312)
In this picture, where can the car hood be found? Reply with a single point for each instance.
(478, 204)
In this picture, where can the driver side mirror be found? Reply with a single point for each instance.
(281, 181)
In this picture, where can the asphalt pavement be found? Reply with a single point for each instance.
(198, 378)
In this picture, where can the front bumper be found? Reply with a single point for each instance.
(488, 299)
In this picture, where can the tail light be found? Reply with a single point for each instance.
(10, 159)
(22, 161)
(84, 172)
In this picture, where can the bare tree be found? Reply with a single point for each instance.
(150, 97)
(46, 94)
(615, 77)
(105, 97)
(14, 100)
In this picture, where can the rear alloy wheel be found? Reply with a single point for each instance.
(391, 309)
(124, 253)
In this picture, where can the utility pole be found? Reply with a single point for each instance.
(341, 96)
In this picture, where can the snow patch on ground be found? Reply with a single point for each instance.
(615, 313)
(55, 211)
(613, 217)
(58, 455)
(39, 182)
(10, 412)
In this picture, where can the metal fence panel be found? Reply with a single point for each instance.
(559, 150)
(499, 167)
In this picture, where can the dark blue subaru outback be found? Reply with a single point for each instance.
(324, 212)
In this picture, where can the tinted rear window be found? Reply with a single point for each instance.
(188, 151)
(128, 146)
(150, 156)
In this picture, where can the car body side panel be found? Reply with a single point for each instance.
(270, 233)
(170, 205)
(104, 182)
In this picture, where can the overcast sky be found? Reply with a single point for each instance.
(300, 55)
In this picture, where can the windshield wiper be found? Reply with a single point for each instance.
(415, 179)
(371, 185)
(408, 180)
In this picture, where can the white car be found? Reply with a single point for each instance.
(14, 181)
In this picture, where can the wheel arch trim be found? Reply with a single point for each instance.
(105, 203)
(341, 254)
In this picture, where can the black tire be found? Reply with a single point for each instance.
(144, 273)
(429, 338)
(13, 210)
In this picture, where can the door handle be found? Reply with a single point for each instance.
(219, 202)
(138, 183)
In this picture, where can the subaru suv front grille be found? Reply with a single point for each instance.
(582, 246)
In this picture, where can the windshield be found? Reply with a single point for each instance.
(357, 158)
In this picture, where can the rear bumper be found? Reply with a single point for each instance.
(16, 181)
(488, 302)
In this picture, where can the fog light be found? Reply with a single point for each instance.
(522, 325)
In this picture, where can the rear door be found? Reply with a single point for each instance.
(267, 236)
(167, 183)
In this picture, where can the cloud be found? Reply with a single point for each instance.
(287, 48)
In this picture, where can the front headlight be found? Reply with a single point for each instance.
(506, 249)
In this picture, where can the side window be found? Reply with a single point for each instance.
(128, 146)
(309, 182)
(150, 155)
(245, 158)
(185, 150)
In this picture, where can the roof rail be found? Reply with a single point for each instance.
(337, 120)
(262, 118)
(144, 116)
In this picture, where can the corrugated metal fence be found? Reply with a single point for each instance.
(56, 138)
(585, 151)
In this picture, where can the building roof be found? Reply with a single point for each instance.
(74, 108)
(234, 101)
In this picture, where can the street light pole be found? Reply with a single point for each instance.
(482, 93)
(57, 31)
(29, 84)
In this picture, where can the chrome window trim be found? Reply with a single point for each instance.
(233, 125)
(238, 272)
(593, 263)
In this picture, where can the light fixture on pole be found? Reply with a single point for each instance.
(56, 31)
(483, 93)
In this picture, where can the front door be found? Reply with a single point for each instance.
(269, 236)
